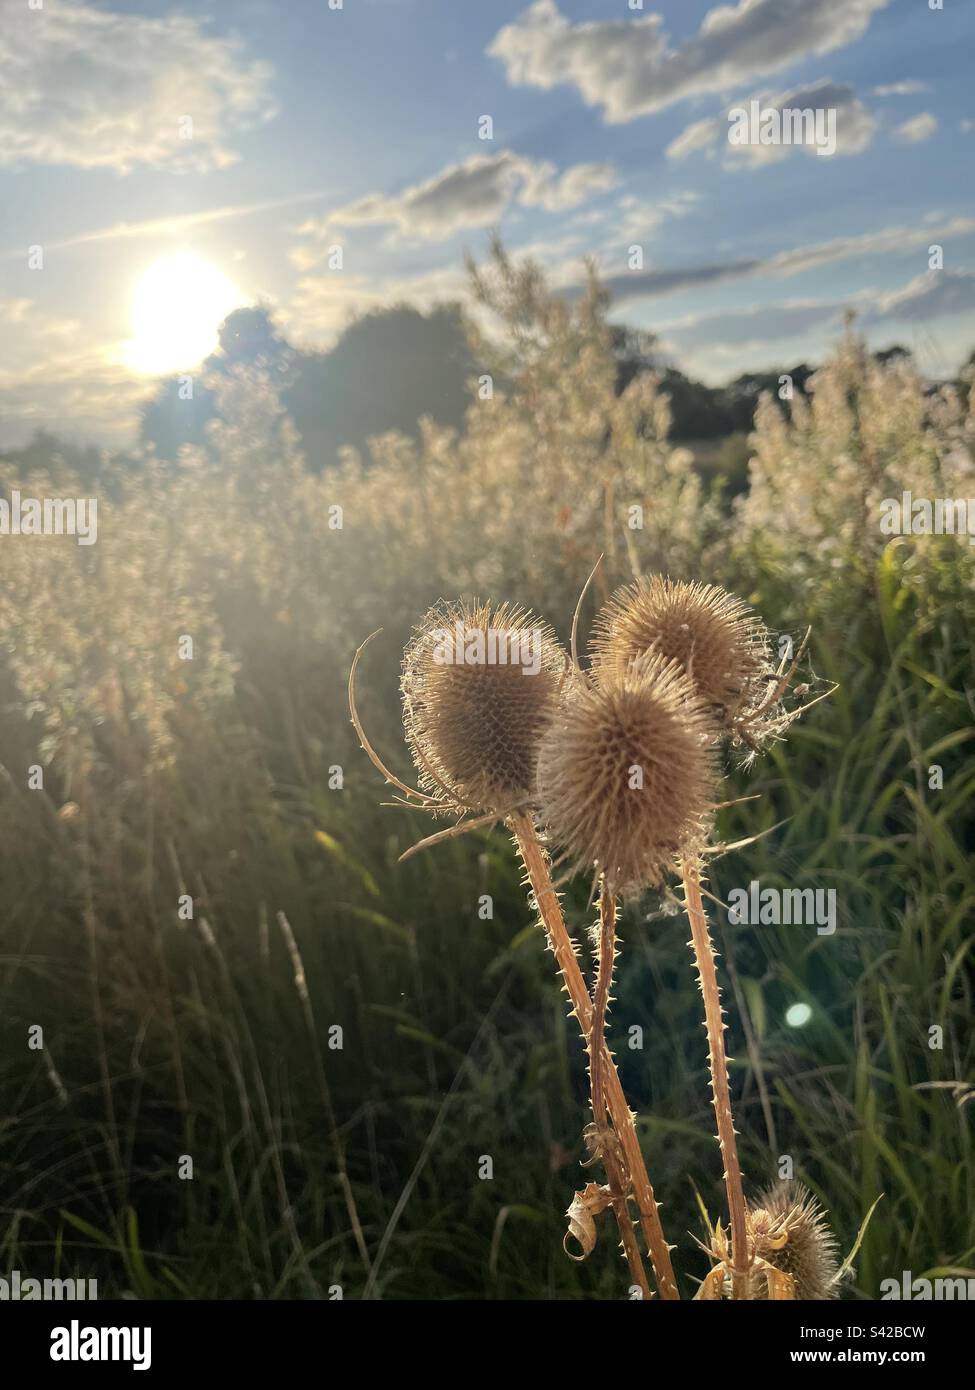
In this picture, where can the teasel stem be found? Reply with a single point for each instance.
(606, 956)
(550, 910)
(619, 1185)
(613, 1162)
(606, 1139)
(718, 1063)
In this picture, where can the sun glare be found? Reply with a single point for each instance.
(178, 304)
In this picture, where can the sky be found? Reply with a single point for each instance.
(162, 163)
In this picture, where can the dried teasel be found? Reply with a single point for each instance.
(719, 641)
(789, 1231)
(474, 717)
(626, 773)
(480, 686)
(791, 1251)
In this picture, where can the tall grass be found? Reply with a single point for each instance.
(219, 778)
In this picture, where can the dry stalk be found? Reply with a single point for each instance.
(718, 1063)
(607, 1144)
(536, 864)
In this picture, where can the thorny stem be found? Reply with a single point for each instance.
(618, 1185)
(600, 1000)
(550, 911)
(718, 1062)
(598, 1055)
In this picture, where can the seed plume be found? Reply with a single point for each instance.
(626, 773)
(480, 685)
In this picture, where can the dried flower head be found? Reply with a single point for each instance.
(626, 773)
(718, 640)
(789, 1230)
(480, 685)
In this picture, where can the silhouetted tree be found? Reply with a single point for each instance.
(249, 335)
(48, 453)
(895, 353)
(387, 370)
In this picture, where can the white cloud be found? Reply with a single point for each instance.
(322, 305)
(886, 242)
(797, 261)
(915, 130)
(163, 228)
(546, 188)
(626, 66)
(639, 218)
(930, 295)
(474, 193)
(699, 135)
(95, 89)
(53, 377)
(855, 126)
(908, 88)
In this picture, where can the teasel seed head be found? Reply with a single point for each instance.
(626, 773)
(480, 685)
(791, 1231)
(718, 640)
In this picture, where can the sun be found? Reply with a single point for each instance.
(178, 304)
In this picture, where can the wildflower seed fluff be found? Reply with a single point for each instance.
(480, 686)
(626, 773)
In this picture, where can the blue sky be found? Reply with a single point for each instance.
(314, 127)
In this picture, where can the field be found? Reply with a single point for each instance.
(273, 1059)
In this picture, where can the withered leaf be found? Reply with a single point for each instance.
(585, 1207)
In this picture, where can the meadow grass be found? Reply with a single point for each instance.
(214, 1037)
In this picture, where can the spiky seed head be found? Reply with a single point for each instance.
(626, 773)
(719, 641)
(790, 1230)
(480, 685)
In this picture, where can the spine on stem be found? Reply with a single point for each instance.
(536, 864)
(718, 1063)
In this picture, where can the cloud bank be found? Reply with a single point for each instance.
(855, 127)
(85, 87)
(628, 68)
(474, 193)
